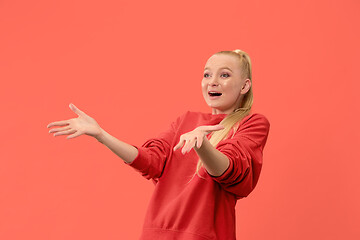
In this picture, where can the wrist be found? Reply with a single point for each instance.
(100, 136)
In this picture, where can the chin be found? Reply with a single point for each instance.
(213, 107)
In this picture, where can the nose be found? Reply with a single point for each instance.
(213, 81)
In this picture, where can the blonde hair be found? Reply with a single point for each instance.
(231, 120)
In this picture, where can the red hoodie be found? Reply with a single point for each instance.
(185, 206)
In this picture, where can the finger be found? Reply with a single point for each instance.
(179, 145)
(213, 128)
(64, 132)
(186, 146)
(58, 123)
(199, 141)
(59, 129)
(191, 144)
(78, 133)
(76, 110)
(209, 129)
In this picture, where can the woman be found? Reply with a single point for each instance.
(196, 189)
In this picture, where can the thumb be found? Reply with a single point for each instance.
(76, 110)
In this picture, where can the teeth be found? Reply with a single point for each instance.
(215, 94)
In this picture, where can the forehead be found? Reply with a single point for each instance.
(223, 60)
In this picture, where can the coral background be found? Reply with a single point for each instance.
(135, 66)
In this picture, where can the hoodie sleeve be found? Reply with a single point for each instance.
(245, 153)
(153, 154)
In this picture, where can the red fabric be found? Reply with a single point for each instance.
(199, 209)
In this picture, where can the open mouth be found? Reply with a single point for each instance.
(214, 94)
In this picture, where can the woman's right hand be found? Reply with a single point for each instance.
(83, 124)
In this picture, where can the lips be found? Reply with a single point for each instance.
(214, 93)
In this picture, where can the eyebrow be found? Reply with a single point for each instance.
(222, 68)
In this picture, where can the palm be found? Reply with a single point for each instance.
(86, 124)
(83, 124)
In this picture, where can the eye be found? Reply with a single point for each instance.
(206, 75)
(226, 75)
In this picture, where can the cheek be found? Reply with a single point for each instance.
(203, 82)
(204, 90)
(232, 89)
(232, 85)
(203, 85)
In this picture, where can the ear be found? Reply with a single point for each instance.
(246, 86)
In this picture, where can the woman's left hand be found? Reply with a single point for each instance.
(195, 138)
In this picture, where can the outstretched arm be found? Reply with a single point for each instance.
(86, 125)
(124, 150)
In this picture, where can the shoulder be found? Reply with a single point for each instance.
(254, 125)
(255, 118)
(183, 116)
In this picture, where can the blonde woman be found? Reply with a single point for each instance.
(203, 163)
